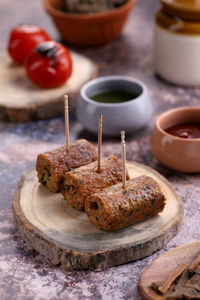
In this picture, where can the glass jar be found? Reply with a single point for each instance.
(177, 41)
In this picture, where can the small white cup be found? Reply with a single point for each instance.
(130, 116)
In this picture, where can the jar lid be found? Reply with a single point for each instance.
(186, 9)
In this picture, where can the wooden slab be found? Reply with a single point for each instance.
(160, 269)
(65, 235)
(21, 100)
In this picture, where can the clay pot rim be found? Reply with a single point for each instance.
(184, 11)
(167, 114)
(180, 7)
(110, 13)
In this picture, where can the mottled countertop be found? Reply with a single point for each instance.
(24, 274)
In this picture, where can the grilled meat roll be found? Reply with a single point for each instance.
(85, 181)
(116, 208)
(51, 166)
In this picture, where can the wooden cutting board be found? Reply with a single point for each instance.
(21, 100)
(160, 269)
(64, 235)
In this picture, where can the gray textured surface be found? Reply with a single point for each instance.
(23, 273)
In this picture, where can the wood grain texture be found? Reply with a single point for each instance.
(21, 100)
(25, 273)
(64, 235)
(160, 269)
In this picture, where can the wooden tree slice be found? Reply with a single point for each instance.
(64, 235)
(21, 100)
(160, 269)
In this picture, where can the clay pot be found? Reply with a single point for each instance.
(88, 29)
(174, 152)
(177, 42)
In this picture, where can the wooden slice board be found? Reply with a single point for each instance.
(64, 235)
(160, 269)
(21, 100)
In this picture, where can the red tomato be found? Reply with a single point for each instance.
(23, 39)
(49, 65)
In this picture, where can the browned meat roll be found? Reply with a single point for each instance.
(116, 208)
(51, 166)
(84, 181)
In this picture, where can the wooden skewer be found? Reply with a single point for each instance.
(99, 142)
(66, 121)
(123, 159)
(172, 277)
(155, 285)
(195, 263)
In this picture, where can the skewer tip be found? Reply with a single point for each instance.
(99, 142)
(66, 121)
(123, 159)
(66, 98)
(123, 136)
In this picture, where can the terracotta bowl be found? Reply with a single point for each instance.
(88, 29)
(174, 152)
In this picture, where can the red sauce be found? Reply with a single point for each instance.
(186, 130)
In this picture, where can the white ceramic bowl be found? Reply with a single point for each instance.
(130, 116)
(177, 57)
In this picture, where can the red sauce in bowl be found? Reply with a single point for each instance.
(187, 130)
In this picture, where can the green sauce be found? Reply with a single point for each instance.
(114, 96)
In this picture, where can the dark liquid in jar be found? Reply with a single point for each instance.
(187, 130)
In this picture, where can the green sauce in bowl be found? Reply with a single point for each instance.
(113, 96)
